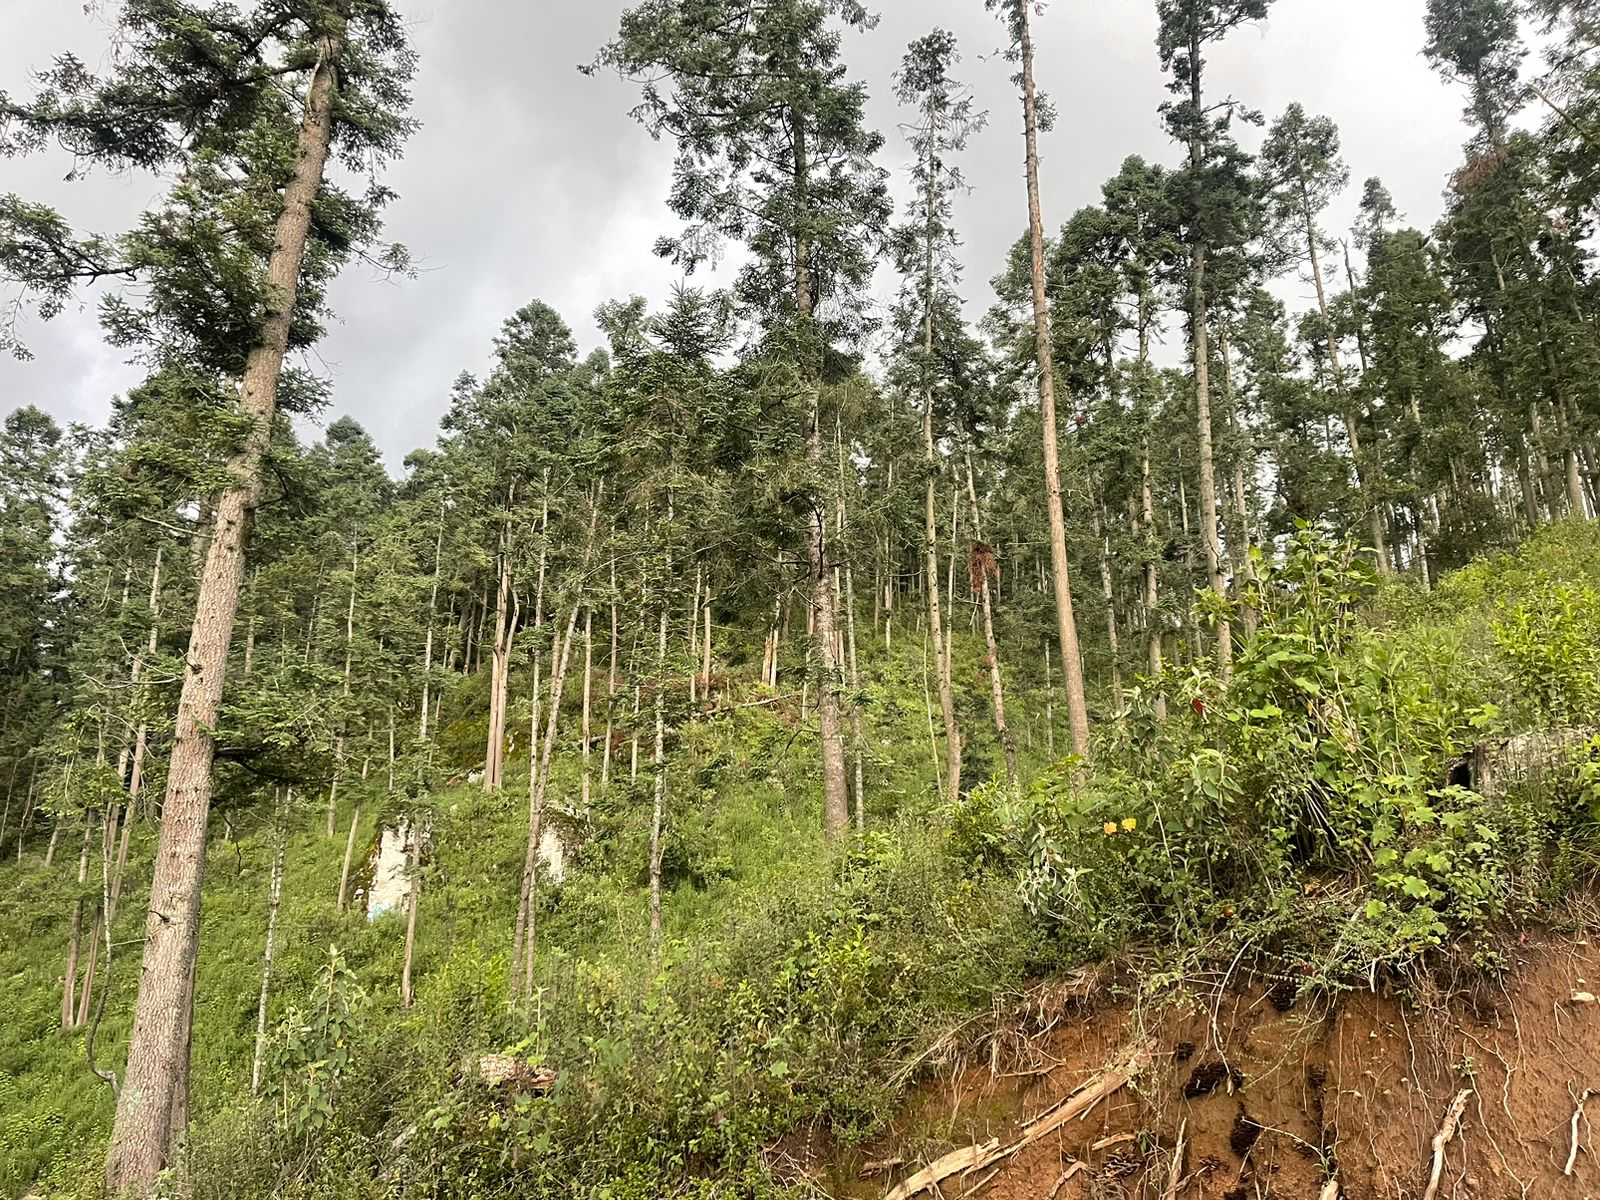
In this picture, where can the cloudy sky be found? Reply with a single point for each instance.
(528, 179)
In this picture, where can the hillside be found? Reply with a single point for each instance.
(1249, 849)
(749, 688)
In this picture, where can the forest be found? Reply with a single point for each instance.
(719, 741)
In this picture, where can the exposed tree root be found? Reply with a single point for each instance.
(1447, 1131)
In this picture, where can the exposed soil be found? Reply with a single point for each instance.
(1275, 1099)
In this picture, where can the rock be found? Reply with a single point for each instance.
(1583, 997)
(505, 1070)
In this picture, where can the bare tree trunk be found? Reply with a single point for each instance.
(69, 980)
(611, 684)
(415, 894)
(705, 658)
(588, 693)
(1152, 595)
(1049, 706)
(494, 750)
(86, 992)
(1209, 534)
(427, 647)
(349, 657)
(941, 660)
(658, 762)
(1239, 540)
(857, 733)
(349, 852)
(858, 740)
(933, 737)
(536, 695)
(274, 895)
(523, 939)
(694, 630)
(1577, 504)
(1067, 626)
(633, 751)
(155, 1084)
(178, 1123)
(1109, 594)
(991, 643)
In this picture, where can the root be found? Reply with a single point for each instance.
(1577, 1115)
(1176, 1175)
(1447, 1131)
(1065, 1176)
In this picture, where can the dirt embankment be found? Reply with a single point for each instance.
(1243, 1094)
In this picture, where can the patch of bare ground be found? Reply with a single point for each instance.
(1245, 1094)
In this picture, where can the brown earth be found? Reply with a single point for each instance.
(1274, 1099)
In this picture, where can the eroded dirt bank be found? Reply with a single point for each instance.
(1245, 1094)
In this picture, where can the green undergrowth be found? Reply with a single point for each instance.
(1306, 820)
(1321, 817)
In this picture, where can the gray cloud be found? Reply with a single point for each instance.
(529, 179)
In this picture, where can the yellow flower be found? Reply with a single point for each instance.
(1130, 824)
(1111, 828)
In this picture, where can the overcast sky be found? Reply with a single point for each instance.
(528, 179)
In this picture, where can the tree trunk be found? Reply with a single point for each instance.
(274, 895)
(1208, 470)
(1109, 594)
(1049, 706)
(1152, 593)
(1239, 540)
(415, 893)
(494, 751)
(694, 631)
(1577, 505)
(86, 992)
(858, 739)
(658, 762)
(349, 853)
(69, 980)
(835, 791)
(858, 735)
(611, 685)
(1066, 622)
(941, 657)
(535, 694)
(349, 657)
(427, 647)
(705, 658)
(155, 1084)
(996, 684)
(588, 694)
(523, 939)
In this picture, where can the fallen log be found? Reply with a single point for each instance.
(974, 1158)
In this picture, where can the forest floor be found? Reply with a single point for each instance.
(1245, 1094)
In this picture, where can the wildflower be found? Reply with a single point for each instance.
(1111, 828)
(1130, 824)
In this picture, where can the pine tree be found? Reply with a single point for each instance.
(1304, 172)
(945, 118)
(246, 110)
(774, 152)
(1037, 117)
(1215, 198)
